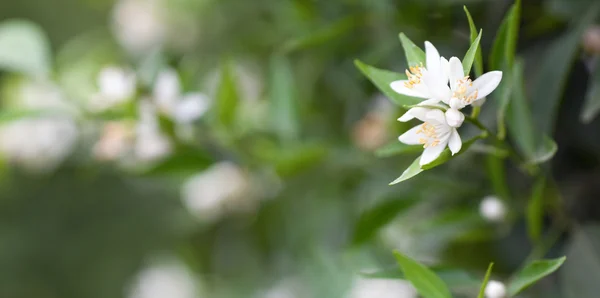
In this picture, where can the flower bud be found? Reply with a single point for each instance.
(454, 117)
(492, 209)
(495, 289)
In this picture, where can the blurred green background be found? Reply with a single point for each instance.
(278, 190)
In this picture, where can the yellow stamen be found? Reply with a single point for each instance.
(462, 88)
(414, 74)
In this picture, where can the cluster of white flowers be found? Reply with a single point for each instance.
(117, 86)
(444, 85)
(381, 288)
(221, 188)
(170, 278)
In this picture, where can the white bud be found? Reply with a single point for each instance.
(191, 107)
(478, 102)
(116, 84)
(454, 117)
(495, 289)
(492, 209)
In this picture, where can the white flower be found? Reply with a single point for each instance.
(495, 289)
(168, 279)
(184, 108)
(115, 86)
(434, 134)
(151, 144)
(492, 209)
(39, 144)
(429, 82)
(465, 91)
(209, 194)
(116, 139)
(139, 25)
(381, 288)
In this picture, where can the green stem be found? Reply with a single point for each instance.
(475, 112)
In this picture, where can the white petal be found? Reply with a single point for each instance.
(438, 87)
(486, 83)
(445, 68)
(454, 118)
(455, 72)
(454, 143)
(417, 112)
(433, 59)
(436, 116)
(167, 89)
(400, 88)
(411, 137)
(432, 153)
(191, 107)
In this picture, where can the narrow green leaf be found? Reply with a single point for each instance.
(427, 283)
(504, 47)
(486, 279)
(415, 169)
(282, 97)
(591, 107)
(467, 61)
(454, 278)
(505, 90)
(544, 151)
(533, 272)
(414, 54)
(520, 122)
(24, 48)
(473, 35)
(227, 96)
(496, 171)
(382, 79)
(397, 148)
(535, 210)
(372, 220)
(554, 69)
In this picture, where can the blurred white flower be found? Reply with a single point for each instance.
(151, 144)
(381, 288)
(287, 288)
(495, 289)
(115, 86)
(183, 108)
(492, 209)
(223, 187)
(168, 279)
(116, 139)
(38, 144)
(434, 134)
(372, 131)
(139, 25)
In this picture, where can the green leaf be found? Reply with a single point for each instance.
(486, 279)
(504, 47)
(473, 35)
(591, 107)
(535, 210)
(395, 148)
(533, 272)
(372, 220)
(414, 54)
(554, 69)
(544, 151)
(467, 61)
(427, 283)
(185, 160)
(520, 123)
(496, 171)
(415, 169)
(579, 276)
(504, 95)
(282, 97)
(24, 48)
(227, 96)
(454, 278)
(382, 79)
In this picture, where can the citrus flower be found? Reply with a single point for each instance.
(429, 82)
(464, 90)
(435, 134)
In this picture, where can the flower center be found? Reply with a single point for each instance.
(431, 138)
(414, 74)
(462, 88)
